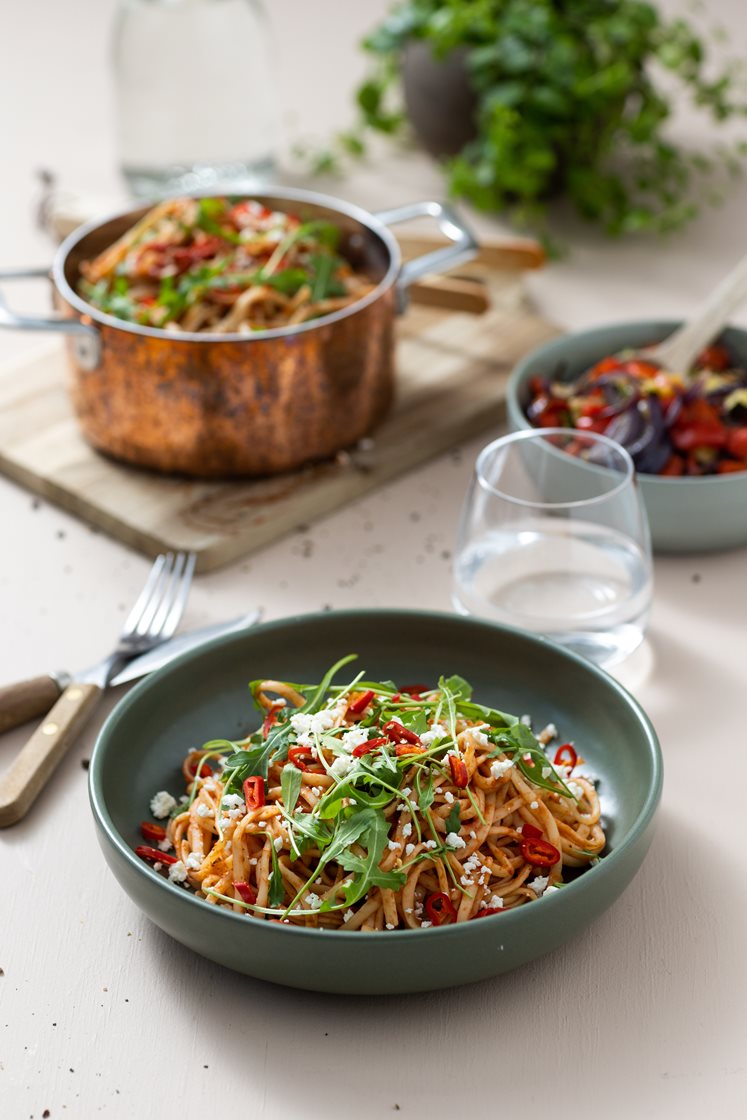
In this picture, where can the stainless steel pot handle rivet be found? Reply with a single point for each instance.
(463, 249)
(86, 339)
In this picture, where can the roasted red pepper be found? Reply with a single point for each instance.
(736, 442)
(459, 772)
(153, 832)
(715, 357)
(566, 756)
(269, 721)
(153, 855)
(403, 749)
(399, 734)
(414, 690)
(674, 467)
(246, 891)
(686, 436)
(254, 792)
(361, 702)
(369, 746)
(540, 853)
(440, 909)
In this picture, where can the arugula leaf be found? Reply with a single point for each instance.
(276, 894)
(289, 281)
(208, 212)
(426, 795)
(459, 688)
(454, 819)
(367, 872)
(290, 786)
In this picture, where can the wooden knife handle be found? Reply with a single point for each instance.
(35, 762)
(26, 700)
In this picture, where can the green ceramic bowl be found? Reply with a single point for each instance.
(204, 695)
(685, 514)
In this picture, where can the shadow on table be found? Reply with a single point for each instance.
(614, 1005)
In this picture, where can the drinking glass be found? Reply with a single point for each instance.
(554, 539)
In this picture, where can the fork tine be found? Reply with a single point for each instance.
(144, 624)
(169, 614)
(154, 575)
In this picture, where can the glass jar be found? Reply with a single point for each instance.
(196, 103)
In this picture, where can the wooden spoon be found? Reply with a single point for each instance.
(679, 351)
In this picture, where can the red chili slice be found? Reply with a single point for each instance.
(488, 910)
(459, 772)
(562, 752)
(530, 832)
(154, 832)
(361, 702)
(254, 792)
(247, 892)
(269, 721)
(399, 734)
(368, 747)
(439, 907)
(296, 755)
(415, 689)
(199, 769)
(403, 749)
(153, 855)
(540, 853)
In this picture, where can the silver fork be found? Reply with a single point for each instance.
(154, 617)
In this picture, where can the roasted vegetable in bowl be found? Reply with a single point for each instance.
(672, 424)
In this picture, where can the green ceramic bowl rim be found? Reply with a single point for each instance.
(517, 378)
(180, 897)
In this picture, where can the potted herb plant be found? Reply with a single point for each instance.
(531, 99)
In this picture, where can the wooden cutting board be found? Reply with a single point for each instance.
(452, 371)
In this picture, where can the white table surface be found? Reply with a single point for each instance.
(100, 1013)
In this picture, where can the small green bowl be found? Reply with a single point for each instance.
(685, 514)
(203, 695)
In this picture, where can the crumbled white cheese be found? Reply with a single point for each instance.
(430, 844)
(389, 925)
(496, 902)
(405, 792)
(193, 861)
(161, 804)
(539, 883)
(479, 737)
(353, 738)
(426, 925)
(549, 890)
(165, 845)
(409, 849)
(546, 772)
(313, 900)
(177, 872)
(526, 720)
(232, 801)
(534, 805)
(547, 734)
(407, 830)
(308, 724)
(348, 915)
(342, 766)
(278, 843)
(576, 789)
(393, 845)
(454, 840)
(500, 767)
(204, 811)
(438, 731)
(448, 797)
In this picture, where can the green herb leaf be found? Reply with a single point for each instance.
(454, 819)
(290, 786)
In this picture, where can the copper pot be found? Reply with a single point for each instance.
(212, 405)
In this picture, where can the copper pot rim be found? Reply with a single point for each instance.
(350, 210)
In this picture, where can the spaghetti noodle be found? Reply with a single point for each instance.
(368, 807)
(210, 264)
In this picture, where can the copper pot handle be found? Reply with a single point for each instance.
(86, 338)
(463, 248)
